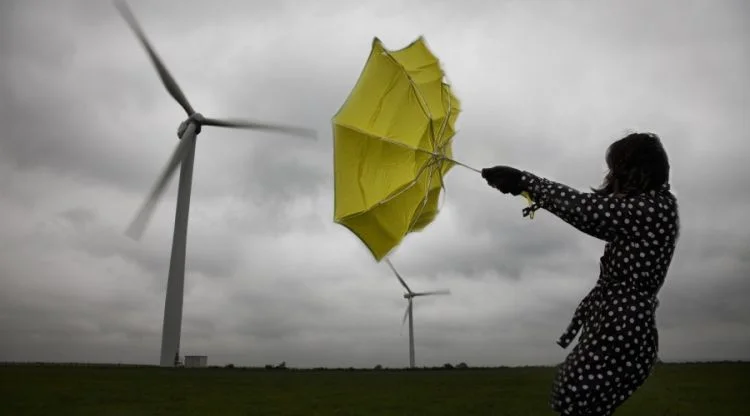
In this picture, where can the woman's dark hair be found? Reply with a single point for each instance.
(637, 163)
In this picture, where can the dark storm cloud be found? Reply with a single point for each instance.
(209, 255)
(45, 333)
(76, 137)
(713, 288)
(505, 248)
(82, 137)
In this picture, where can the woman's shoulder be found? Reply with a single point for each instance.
(661, 203)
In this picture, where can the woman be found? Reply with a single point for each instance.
(637, 217)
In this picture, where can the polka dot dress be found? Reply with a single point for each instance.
(618, 342)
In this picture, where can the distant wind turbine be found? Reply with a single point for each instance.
(409, 313)
(183, 157)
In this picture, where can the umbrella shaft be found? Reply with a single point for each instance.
(464, 165)
(449, 160)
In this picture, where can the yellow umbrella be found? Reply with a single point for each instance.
(392, 142)
(392, 146)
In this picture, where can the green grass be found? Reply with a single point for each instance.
(674, 389)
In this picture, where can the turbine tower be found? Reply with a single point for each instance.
(183, 156)
(409, 296)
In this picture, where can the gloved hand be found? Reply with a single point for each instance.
(504, 178)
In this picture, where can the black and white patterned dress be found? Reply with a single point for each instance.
(619, 342)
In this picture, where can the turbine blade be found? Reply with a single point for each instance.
(434, 292)
(398, 276)
(166, 78)
(252, 125)
(138, 225)
(406, 315)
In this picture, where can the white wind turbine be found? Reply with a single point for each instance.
(409, 296)
(183, 156)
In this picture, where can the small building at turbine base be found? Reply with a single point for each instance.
(196, 360)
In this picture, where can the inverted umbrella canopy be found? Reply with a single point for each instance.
(392, 146)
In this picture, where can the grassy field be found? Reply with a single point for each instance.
(675, 389)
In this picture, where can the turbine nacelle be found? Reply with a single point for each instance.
(434, 292)
(196, 119)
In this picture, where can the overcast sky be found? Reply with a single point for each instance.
(546, 86)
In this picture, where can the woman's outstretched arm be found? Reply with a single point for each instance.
(599, 216)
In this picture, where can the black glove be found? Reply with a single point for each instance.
(504, 178)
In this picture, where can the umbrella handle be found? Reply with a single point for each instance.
(530, 209)
(527, 211)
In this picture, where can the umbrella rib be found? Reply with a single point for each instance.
(448, 114)
(442, 185)
(405, 188)
(425, 199)
(408, 186)
(431, 165)
(416, 149)
(425, 107)
(389, 54)
(418, 93)
(387, 140)
(391, 197)
(441, 148)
